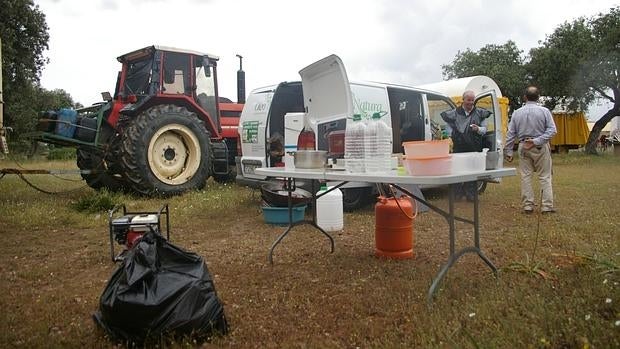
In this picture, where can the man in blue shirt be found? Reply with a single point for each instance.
(533, 126)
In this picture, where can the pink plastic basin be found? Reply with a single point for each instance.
(432, 166)
(427, 149)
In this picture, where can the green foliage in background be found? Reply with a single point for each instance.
(503, 63)
(25, 37)
(579, 62)
(576, 64)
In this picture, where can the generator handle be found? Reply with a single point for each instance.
(111, 214)
(166, 210)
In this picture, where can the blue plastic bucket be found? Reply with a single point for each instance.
(65, 124)
(279, 215)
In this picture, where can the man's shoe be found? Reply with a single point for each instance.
(548, 211)
(528, 211)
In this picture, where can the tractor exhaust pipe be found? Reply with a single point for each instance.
(240, 82)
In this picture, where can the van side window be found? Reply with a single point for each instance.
(408, 115)
(436, 106)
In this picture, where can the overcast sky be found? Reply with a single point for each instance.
(397, 41)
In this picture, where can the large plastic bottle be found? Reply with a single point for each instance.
(377, 146)
(354, 145)
(306, 139)
(329, 209)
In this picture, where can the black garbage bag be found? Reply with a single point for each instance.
(160, 290)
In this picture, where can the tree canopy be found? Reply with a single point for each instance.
(25, 37)
(503, 63)
(579, 62)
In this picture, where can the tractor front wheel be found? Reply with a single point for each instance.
(100, 176)
(166, 151)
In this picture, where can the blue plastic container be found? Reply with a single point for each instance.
(279, 215)
(65, 124)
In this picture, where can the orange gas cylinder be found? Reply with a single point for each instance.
(394, 227)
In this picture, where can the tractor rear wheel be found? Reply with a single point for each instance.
(101, 177)
(166, 150)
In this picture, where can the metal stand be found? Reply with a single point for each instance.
(163, 210)
(289, 186)
(451, 218)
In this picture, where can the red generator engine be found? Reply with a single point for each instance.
(128, 229)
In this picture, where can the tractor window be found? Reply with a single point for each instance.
(138, 77)
(205, 91)
(176, 73)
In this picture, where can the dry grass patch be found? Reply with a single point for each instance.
(55, 262)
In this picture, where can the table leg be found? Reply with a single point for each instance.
(471, 249)
(290, 187)
(451, 219)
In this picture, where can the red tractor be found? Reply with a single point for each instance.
(164, 131)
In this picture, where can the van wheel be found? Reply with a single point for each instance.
(354, 198)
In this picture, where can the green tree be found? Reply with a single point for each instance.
(25, 37)
(578, 62)
(503, 63)
(39, 99)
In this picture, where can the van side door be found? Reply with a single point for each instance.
(493, 138)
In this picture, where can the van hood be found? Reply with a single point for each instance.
(327, 95)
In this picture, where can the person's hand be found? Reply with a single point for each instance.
(528, 144)
(508, 158)
(474, 127)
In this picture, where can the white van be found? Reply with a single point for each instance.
(327, 100)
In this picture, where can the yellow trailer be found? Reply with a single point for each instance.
(572, 131)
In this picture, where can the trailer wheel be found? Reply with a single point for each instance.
(166, 151)
(101, 177)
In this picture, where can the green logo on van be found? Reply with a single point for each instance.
(250, 132)
(366, 108)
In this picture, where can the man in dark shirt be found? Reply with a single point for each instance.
(467, 126)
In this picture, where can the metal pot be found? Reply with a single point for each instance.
(310, 158)
(275, 195)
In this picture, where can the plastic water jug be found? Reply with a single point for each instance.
(377, 146)
(329, 212)
(354, 145)
(306, 139)
(65, 124)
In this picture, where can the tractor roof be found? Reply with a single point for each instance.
(150, 49)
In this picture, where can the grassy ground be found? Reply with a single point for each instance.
(558, 285)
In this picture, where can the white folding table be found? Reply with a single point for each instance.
(396, 180)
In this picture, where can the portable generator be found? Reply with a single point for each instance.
(128, 229)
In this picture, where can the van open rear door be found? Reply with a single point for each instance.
(327, 94)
